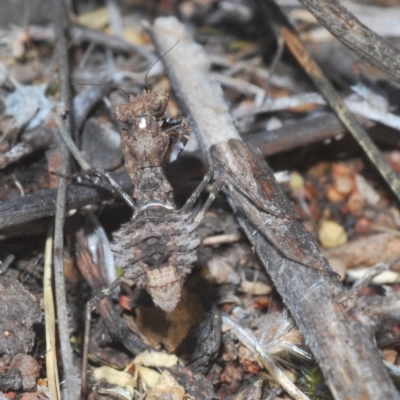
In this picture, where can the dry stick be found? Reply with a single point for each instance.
(22, 210)
(62, 311)
(80, 33)
(323, 84)
(86, 167)
(347, 356)
(355, 35)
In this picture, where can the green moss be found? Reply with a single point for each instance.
(312, 383)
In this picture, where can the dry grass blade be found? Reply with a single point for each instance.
(50, 318)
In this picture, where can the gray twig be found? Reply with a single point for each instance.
(115, 17)
(62, 310)
(373, 310)
(21, 210)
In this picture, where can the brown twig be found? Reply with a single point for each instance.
(355, 35)
(62, 311)
(325, 326)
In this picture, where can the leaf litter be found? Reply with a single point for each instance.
(340, 198)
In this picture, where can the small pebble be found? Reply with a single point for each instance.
(389, 355)
(331, 234)
(344, 185)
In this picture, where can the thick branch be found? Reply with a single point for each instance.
(354, 369)
(16, 212)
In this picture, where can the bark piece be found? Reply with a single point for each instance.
(19, 311)
(195, 385)
(166, 387)
(10, 380)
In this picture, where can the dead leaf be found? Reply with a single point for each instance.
(149, 377)
(156, 359)
(222, 272)
(156, 327)
(166, 387)
(97, 19)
